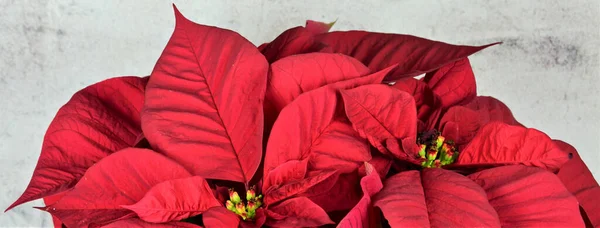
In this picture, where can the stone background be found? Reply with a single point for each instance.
(546, 71)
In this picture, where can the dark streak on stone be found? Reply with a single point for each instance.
(548, 51)
(35, 29)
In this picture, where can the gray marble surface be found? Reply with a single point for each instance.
(547, 71)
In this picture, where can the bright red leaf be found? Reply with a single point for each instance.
(308, 126)
(578, 179)
(291, 76)
(374, 78)
(297, 212)
(471, 117)
(95, 122)
(120, 179)
(290, 171)
(453, 83)
(363, 215)
(49, 200)
(138, 223)
(379, 112)
(434, 198)
(502, 144)
(276, 193)
(204, 102)
(379, 50)
(220, 217)
(529, 197)
(175, 200)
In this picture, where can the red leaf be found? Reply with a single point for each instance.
(374, 78)
(49, 200)
(297, 40)
(529, 197)
(120, 179)
(380, 163)
(578, 179)
(204, 101)
(317, 27)
(434, 198)
(220, 217)
(474, 115)
(175, 200)
(259, 220)
(97, 121)
(379, 50)
(138, 223)
(297, 212)
(454, 83)
(428, 104)
(363, 215)
(291, 188)
(379, 112)
(465, 123)
(290, 171)
(308, 126)
(291, 76)
(501, 144)
(336, 194)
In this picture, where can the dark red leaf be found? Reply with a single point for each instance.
(220, 217)
(120, 179)
(468, 119)
(529, 197)
(578, 179)
(336, 194)
(363, 215)
(379, 112)
(317, 27)
(454, 83)
(138, 223)
(97, 121)
(308, 126)
(291, 76)
(428, 104)
(297, 40)
(414, 55)
(502, 144)
(204, 102)
(297, 212)
(434, 198)
(175, 200)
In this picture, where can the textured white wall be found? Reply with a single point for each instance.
(547, 71)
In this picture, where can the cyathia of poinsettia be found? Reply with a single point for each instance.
(304, 131)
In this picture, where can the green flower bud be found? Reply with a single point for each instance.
(230, 206)
(250, 194)
(422, 150)
(439, 142)
(234, 196)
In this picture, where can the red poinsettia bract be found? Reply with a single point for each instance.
(314, 128)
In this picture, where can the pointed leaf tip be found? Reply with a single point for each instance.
(178, 15)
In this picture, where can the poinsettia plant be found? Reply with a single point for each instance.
(315, 128)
